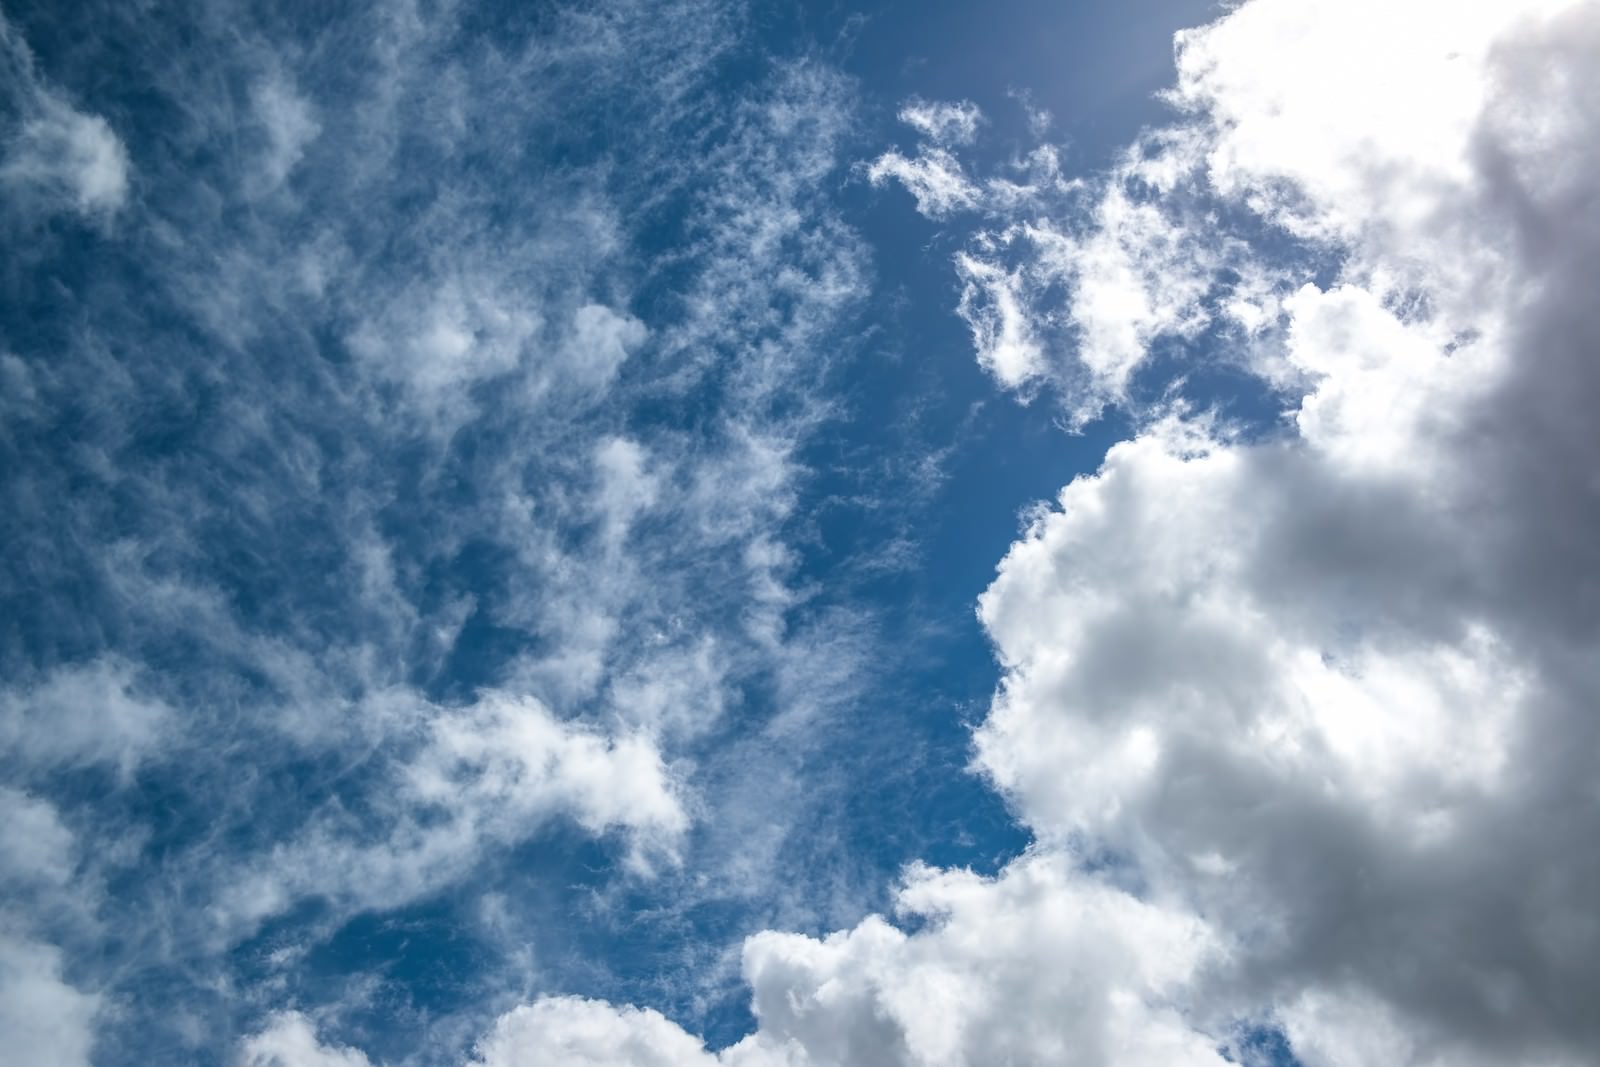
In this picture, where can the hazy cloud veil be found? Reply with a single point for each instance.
(420, 478)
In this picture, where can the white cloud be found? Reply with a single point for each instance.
(1040, 965)
(89, 714)
(625, 486)
(1329, 147)
(587, 1033)
(35, 848)
(1384, 388)
(600, 342)
(486, 775)
(675, 690)
(1039, 118)
(515, 761)
(44, 1019)
(290, 125)
(934, 177)
(58, 158)
(289, 1040)
(1101, 271)
(1076, 279)
(438, 342)
(67, 156)
(1319, 705)
(994, 305)
(941, 123)
(1137, 275)
(1309, 686)
(780, 268)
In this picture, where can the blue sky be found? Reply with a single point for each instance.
(703, 533)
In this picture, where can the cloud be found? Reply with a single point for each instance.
(625, 486)
(1299, 716)
(934, 177)
(1311, 684)
(1323, 149)
(56, 158)
(993, 305)
(35, 848)
(441, 337)
(68, 157)
(405, 515)
(410, 490)
(484, 776)
(948, 124)
(45, 1019)
(1042, 964)
(1071, 281)
(289, 123)
(290, 1041)
(47, 903)
(601, 340)
(94, 713)
(439, 342)
(586, 1033)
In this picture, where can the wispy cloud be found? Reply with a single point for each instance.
(377, 557)
(56, 157)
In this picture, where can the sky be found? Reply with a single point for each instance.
(692, 533)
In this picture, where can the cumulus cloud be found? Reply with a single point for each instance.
(1325, 149)
(1042, 964)
(1311, 684)
(588, 1033)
